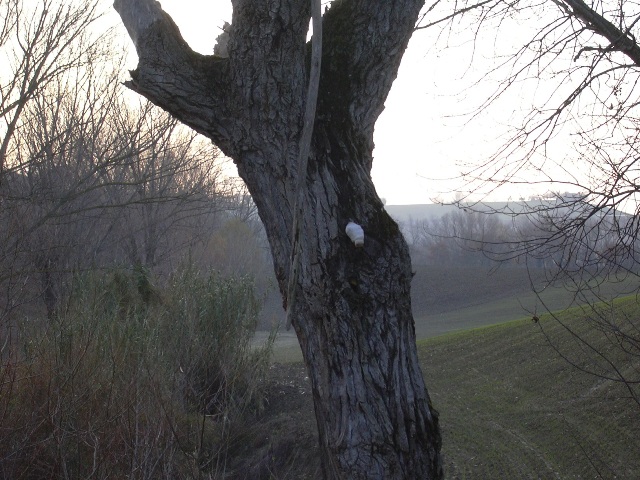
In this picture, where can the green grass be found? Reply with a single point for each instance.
(510, 407)
(473, 298)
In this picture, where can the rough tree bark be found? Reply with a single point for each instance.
(352, 315)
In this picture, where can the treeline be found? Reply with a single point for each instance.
(557, 233)
(456, 238)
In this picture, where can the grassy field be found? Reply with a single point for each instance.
(510, 407)
(452, 299)
(449, 299)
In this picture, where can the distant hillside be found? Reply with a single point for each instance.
(445, 298)
(405, 213)
(437, 289)
(453, 297)
(429, 211)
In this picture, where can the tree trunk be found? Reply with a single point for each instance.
(353, 309)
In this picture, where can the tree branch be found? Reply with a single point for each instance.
(456, 13)
(353, 85)
(619, 40)
(190, 85)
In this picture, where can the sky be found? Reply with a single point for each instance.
(422, 134)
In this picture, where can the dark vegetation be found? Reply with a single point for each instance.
(134, 381)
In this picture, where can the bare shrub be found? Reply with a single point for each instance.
(122, 383)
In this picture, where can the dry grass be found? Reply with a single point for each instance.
(134, 382)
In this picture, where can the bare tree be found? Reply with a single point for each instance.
(133, 188)
(166, 193)
(352, 315)
(36, 41)
(577, 139)
(463, 237)
(89, 180)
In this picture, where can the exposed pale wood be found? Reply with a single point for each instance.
(305, 146)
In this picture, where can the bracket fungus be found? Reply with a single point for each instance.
(355, 233)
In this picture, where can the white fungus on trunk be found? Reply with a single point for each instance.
(355, 233)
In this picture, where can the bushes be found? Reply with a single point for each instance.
(132, 381)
